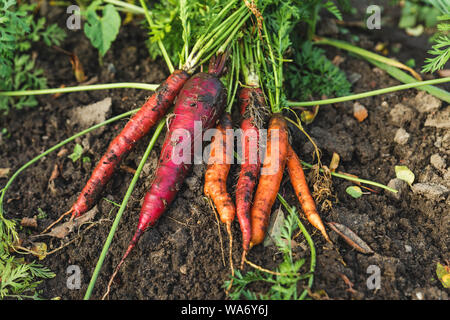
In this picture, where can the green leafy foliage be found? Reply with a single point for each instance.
(441, 47)
(18, 279)
(311, 74)
(403, 173)
(354, 191)
(283, 286)
(310, 11)
(102, 30)
(18, 31)
(177, 22)
(416, 12)
(77, 153)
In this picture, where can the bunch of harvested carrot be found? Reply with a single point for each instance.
(226, 23)
(191, 106)
(201, 100)
(279, 152)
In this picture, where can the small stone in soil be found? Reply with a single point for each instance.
(445, 142)
(401, 136)
(408, 248)
(399, 185)
(425, 102)
(440, 119)
(354, 77)
(183, 269)
(359, 112)
(430, 190)
(87, 116)
(437, 161)
(401, 114)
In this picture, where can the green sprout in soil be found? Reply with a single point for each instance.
(287, 282)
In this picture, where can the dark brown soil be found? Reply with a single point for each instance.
(180, 258)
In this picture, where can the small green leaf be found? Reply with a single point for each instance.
(102, 31)
(77, 152)
(86, 159)
(42, 214)
(354, 191)
(411, 63)
(403, 173)
(443, 273)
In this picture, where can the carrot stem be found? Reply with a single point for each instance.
(115, 224)
(295, 104)
(160, 44)
(106, 86)
(366, 54)
(128, 6)
(56, 147)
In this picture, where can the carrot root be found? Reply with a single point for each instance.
(270, 179)
(298, 180)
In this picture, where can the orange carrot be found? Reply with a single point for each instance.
(301, 189)
(271, 176)
(216, 174)
(250, 99)
(215, 188)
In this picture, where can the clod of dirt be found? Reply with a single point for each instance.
(445, 142)
(439, 119)
(437, 161)
(401, 114)
(430, 190)
(401, 136)
(353, 77)
(425, 103)
(399, 185)
(29, 222)
(87, 116)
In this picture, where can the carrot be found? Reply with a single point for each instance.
(215, 187)
(219, 164)
(137, 127)
(249, 98)
(226, 23)
(303, 193)
(271, 176)
(201, 99)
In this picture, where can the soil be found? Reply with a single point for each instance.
(180, 258)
